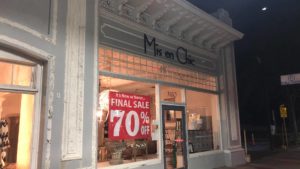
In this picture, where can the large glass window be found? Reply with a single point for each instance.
(121, 132)
(16, 113)
(203, 121)
(126, 112)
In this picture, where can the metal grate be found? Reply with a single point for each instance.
(120, 62)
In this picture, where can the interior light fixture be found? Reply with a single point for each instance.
(264, 8)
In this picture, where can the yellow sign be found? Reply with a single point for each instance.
(283, 111)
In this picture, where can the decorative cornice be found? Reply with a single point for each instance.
(154, 33)
(142, 8)
(209, 18)
(177, 18)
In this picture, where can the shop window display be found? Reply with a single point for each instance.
(125, 114)
(16, 115)
(203, 121)
(126, 146)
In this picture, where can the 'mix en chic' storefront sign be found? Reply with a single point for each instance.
(129, 116)
(181, 55)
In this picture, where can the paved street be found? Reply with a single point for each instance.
(278, 160)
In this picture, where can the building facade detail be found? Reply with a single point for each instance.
(74, 81)
(172, 59)
(49, 35)
(178, 19)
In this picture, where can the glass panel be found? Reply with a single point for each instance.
(171, 94)
(174, 139)
(17, 113)
(133, 65)
(22, 75)
(203, 121)
(125, 148)
(16, 74)
(6, 73)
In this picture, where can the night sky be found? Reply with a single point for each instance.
(270, 48)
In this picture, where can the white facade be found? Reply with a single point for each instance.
(62, 39)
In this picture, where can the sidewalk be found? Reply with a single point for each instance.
(289, 159)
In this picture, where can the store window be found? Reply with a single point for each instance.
(203, 121)
(125, 115)
(120, 141)
(16, 113)
(171, 94)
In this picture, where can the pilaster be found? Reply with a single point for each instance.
(234, 153)
(74, 81)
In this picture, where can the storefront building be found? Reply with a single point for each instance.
(117, 84)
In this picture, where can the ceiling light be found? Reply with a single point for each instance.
(264, 8)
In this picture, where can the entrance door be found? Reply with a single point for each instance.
(175, 154)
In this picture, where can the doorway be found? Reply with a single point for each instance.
(174, 135)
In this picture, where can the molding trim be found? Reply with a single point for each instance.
(234, 149)
(51, 78)
(74, 81)
(94, 151)
(210, 18)
(91, 167)
(53, 25)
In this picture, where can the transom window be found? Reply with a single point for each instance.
(119, 62)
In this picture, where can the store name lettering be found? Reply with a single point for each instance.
(181, 55)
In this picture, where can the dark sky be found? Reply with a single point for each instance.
(270, 48)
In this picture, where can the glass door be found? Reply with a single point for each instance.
(175, 154)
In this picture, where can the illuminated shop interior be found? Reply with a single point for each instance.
(131, 150)
(201, 108)
(16, 113)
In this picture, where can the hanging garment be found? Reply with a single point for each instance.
(4, 142)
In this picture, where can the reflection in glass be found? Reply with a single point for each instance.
(123, 63)
(174, 139)
(203, 121)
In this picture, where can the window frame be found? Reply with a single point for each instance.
(36, 91)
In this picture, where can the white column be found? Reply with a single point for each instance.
(232, 98)
(234, 154)
(74, 81)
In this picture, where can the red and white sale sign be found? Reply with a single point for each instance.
(129, 116)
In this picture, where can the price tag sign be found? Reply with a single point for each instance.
(129, 116)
